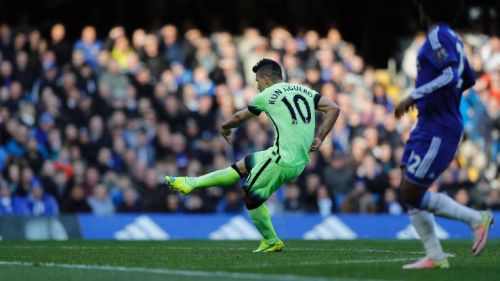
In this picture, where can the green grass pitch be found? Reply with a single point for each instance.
(233, 260)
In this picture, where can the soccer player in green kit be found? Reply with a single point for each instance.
(291, 108)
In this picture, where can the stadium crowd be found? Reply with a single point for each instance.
(94, 125)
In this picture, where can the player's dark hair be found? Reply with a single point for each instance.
(442, 10)
(268, 68)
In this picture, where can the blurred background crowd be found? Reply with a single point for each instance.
(94, 124)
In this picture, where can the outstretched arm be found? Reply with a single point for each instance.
(449, 77)
(237, 119)
(404, 106)
(331, 112)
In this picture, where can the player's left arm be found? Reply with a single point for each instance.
(236, 120)
(469, 77)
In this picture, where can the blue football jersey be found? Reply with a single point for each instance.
(443, 74)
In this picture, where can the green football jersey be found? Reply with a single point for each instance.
(291, 108)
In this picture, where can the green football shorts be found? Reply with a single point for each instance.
(266, 175)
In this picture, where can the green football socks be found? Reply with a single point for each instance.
(262, 221)
(225, 176)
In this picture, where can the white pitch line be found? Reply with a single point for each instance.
(357, 261)
(175, 272)
(367, 250)
(371, 261)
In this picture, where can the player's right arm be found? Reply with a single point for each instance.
(254, 109)
(331, 112)
(237, 119)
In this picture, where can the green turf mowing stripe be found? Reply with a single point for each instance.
(167, 247)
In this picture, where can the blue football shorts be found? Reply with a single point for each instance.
(426, 157)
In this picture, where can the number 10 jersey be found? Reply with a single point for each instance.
(291, 109)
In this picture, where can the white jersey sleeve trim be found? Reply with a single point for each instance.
(442, 80)
(434, 39)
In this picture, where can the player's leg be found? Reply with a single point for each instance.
(227, 176)
(423, 222)
(442, 205)
(264, 179)
(261, 169)
(421, 219)
(427, 160)
(261, 218)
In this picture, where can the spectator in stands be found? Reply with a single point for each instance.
(6, 42)
(38, 202)
(116, 80)
(339, 176)
(380, 97)
(391, 204)
(325, 202)
(25, 72)
(173, 50)
(76, 202)
(89, 45)
(293, 202)
(122, 51)
(173, 203)
(59, 45)
(100, 202)
(151, 57)
(194, 204)
(3, 157)
(6, 73)
(131, 203)
(232, 202)
(153, 195)
(7, 202)
(55, 182)
(310, 193)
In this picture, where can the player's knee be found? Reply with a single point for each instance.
(241, 168)
(410, 199)
(252, 200)
(412, 196)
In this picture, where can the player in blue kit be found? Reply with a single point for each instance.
(443, 75)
